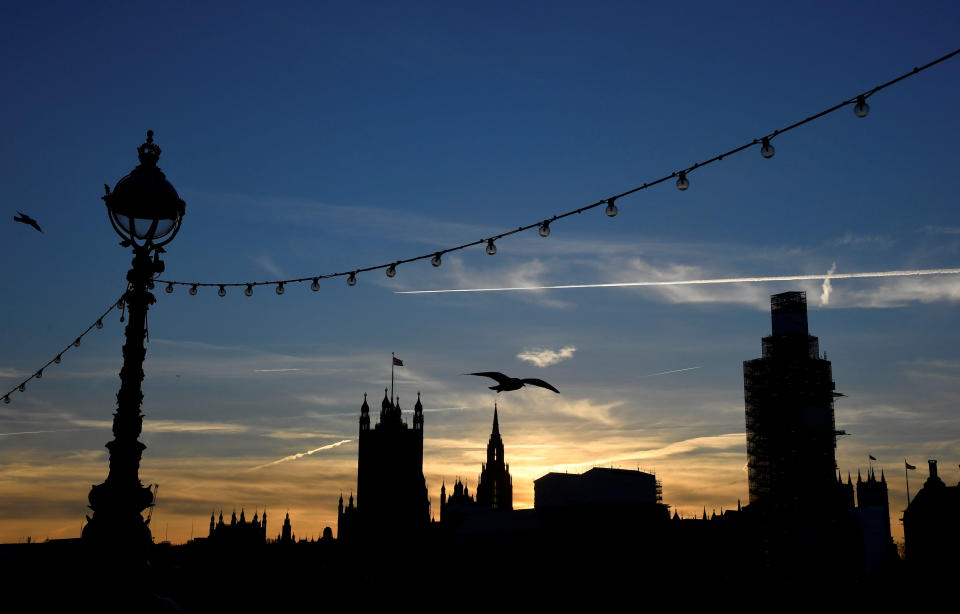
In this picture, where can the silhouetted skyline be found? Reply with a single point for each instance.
(331, 137)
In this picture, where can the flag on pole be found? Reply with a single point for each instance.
(872, 457)
(397, 362)
(908, 465)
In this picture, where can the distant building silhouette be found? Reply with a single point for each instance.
(931, 528)
(496, 486)
(791, 435)
(286, 533)
(391, 496)
(873, 512)
(598, 486)
(495, 490)
(239, 532)
(800, 510)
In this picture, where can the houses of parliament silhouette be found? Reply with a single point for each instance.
(804, 526)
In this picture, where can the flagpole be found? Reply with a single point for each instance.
(906, 474)
(393, 360)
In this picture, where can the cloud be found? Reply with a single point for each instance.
(265, 261)
(545, 357)
(827, 288)
(172, 426)
(855, 239)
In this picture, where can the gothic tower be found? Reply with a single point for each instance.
(391, 491)
(496, 486)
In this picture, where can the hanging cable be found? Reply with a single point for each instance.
(861, 109)
(97, 324)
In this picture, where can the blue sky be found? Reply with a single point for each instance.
(308, 139)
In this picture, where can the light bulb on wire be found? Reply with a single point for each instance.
(682, 182)
(491, 248)
(22, 387)
(57, 359)
(76, 342)
(38, 374)
(766, 149)
(436, 261)
(611, 209)
(545, 228)
(249, 290)
(280, 288)
(99, 324)
(861, 109)
(352, 280)
(222, 292)
(193, 290)
(6, 398)
(392, 270)
(316, 284)
(169, 288)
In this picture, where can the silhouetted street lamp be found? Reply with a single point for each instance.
(146, 211)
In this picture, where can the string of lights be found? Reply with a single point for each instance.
(860, 109)
(97, 324)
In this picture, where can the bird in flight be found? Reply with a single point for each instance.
(23, 218)
(506, 383)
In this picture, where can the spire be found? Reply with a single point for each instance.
(419, 406)
(496, 420)
(364, 408)
(385, 404)
(858, 476)
(849, 481)
(882, 478)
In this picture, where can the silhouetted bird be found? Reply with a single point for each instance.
(23, 218)
(505, 382)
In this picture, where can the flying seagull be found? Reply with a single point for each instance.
(505, 382)
(23, 218)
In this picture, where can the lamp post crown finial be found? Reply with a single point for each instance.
(149, 152)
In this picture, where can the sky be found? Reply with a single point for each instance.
(323, 137)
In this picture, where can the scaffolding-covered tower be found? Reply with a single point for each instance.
(791, 435)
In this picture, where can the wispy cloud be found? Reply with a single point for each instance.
(302, 454)
(544, 357)
(827, 287)
(265, 261)
(173, 426)
(274, 370)
(941, 230)
(851, 238)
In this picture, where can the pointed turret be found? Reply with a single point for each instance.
(418, 414)
(882, 477)
(365, 414)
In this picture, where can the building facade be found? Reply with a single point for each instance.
(391, 499)
(791, 433)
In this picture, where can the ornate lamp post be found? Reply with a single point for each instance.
(146, 212)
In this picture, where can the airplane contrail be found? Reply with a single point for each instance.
(724, 280)
(667, 372)
(302, 454)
